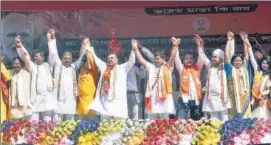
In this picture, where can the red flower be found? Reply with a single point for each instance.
(28, 124)
(16, 138)
(21, 133)
(160, 132)
(149, 133)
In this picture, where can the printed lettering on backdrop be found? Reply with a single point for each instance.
(152, 26)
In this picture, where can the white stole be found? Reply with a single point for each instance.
(19, 88)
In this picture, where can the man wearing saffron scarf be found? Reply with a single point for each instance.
(5, 77)
(111, 96)
(190, 87)
(41, 81)
(159, 101)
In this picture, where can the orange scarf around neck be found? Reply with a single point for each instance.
(185, 79)
(166, 87)
(106, 78)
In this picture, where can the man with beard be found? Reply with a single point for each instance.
(19, 100)
(111, 95)
(190, 87)
(216, 101)
(41, 83)
(159, 101)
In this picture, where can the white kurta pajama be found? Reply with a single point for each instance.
(213, 102)
(20, 104)
(158, 108)
(41, 86)
(41, 91)
(65, 85)
(113, 103)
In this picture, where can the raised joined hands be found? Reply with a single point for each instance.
(134, 44)
(18, 42)
(198, 40)
(51, 34)
(175, 41)
(230, 35)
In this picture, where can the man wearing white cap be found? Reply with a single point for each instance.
(216, 102)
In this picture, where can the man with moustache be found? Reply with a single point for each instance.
(19, 100)
(190, 87)
(216, 101)
(41, 81)
(111, 96)
(159, 101)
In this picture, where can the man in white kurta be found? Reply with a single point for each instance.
(159, 104)
(112, 102)
(65, 89)
(216, 102)
(41, 81)
(19, 90)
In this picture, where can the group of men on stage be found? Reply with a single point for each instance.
(60, 89)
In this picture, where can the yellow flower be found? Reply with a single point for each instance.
(50, 140)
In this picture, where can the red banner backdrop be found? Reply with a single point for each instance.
(71, 20)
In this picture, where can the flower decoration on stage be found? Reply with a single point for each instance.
(260, 129)
(30, 132)
(241, 139)
(235, 127)
(172, 131)
(60, 133)
(37, 131)
(113, 45)
(83, 128)
(134, 131)
(95, 135)
(8, 129)
(207, 133)
(137, 132)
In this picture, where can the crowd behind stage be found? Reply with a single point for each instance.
(237, 85)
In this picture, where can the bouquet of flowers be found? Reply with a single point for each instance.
(207, 133)
(10, 131)
(241, 139)
(164, 131)
(83, 130)
(133, 133)
(60, 133)
(235, 127)
(37, 131)
(109, 131)
(259, 130)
